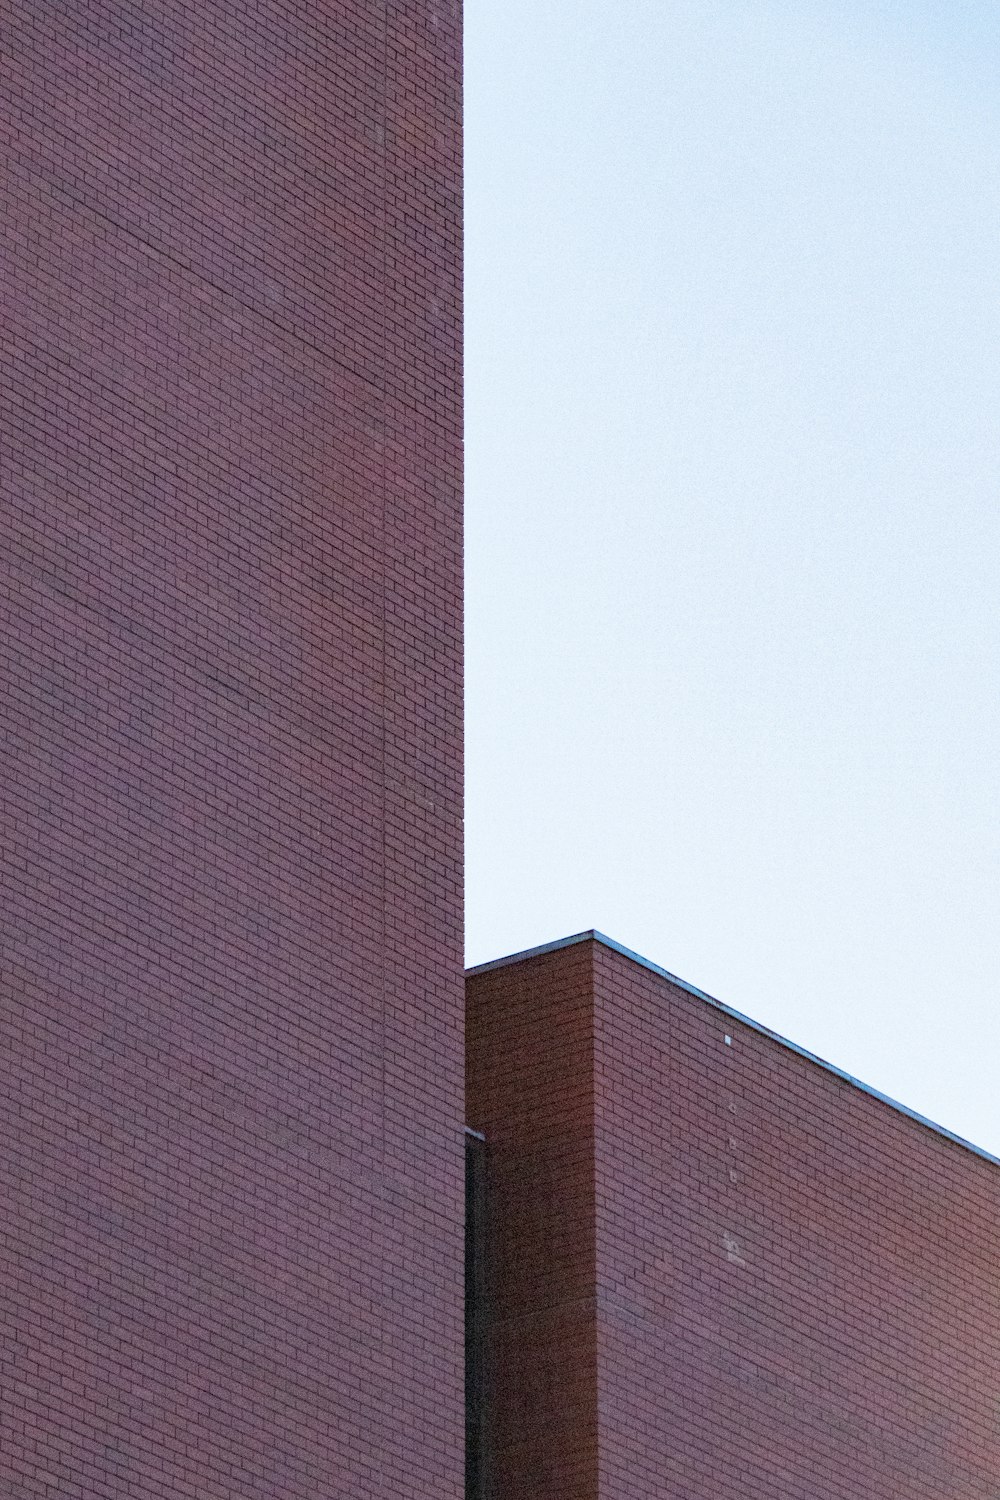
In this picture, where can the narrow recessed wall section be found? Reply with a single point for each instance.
(476, 1318)
(722, 1268)
(530, 1089)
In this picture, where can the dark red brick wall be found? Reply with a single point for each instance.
(230, 901)
(796, 1285)
(530, 1070)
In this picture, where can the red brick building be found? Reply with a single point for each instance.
(698, 1265)
(231, 1151)
(720, 1268)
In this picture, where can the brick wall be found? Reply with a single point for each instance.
(230, 900)
(529, 1089)
(796, 1286)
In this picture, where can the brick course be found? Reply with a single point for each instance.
(230, 890)
(793, 1287)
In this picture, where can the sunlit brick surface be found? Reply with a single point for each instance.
(794, 1289)
(230, 902)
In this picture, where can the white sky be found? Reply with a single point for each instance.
(733, 354)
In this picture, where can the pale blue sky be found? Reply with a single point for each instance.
(733, 507)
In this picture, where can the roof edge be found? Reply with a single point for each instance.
(593, 936)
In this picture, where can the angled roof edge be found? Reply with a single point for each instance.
(592, 935)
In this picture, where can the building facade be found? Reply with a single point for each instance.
(231, 1146)
(721, 1270)
(255, 1178)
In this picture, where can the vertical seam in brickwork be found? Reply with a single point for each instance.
(383, 500)
(594, 1270)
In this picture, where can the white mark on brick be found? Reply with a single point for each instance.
(734, 1254)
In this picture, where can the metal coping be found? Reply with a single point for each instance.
(727, 1010)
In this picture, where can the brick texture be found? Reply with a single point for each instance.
(795, 1287)
(230, 889)
(530, 1058)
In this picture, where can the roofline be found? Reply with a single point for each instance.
(592, 935)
